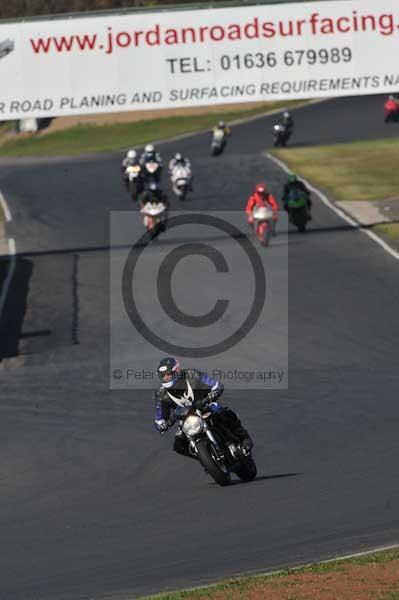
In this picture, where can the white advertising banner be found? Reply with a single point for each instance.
(121, 62)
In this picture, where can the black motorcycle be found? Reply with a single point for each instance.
(281, 135)
(218, 451)
(152, 172)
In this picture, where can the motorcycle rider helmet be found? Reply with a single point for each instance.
(178, 157)
(168, 370)
(391, 97)
(292, 178)
(261, 189)
(132, 154)
(221, 125)
(286, 115)
(150, 151)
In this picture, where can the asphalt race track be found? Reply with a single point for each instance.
(93, 503)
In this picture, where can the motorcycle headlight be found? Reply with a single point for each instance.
(192, 425)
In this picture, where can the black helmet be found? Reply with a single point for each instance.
(168, 370)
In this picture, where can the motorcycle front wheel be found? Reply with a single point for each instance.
(247, 470)
(264, 233)
(183, 195)
(218, 474)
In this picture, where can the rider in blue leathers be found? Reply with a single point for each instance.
(183, 387)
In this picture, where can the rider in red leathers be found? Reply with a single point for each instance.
(261, 197)
(391, 109)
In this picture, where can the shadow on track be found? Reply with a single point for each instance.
(260, 478)
(14, 309)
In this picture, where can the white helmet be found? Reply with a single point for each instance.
(131, 154)
(149, 148)
(286, 115)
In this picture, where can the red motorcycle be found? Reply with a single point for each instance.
(264, 223)
(391, 110)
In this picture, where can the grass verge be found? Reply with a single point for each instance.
(85, 139)
(370, 577)
(353, 171)
(388, 230)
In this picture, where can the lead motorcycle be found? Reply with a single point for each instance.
(213, 445)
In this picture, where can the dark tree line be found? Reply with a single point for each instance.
(13, 9)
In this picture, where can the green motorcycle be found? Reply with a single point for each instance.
(297, 206)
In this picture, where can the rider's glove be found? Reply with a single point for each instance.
(161, 424)
(212, 395)
(208, 401)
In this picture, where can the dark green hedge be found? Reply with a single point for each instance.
(14, 9)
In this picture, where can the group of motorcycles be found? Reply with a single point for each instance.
(215, 449)
(146, 177)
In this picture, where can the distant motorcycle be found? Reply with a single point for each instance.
(391, 111)
(180, 179)
(154, 218)
(218, 143)
(298, 211)
(217, 452)
(135, 181)
(264, 224)
(6, 47)
(152, 172)
(281, 135)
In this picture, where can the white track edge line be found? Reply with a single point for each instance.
(326, 561)
(264, 573)
(11, 253)
(6, 210)
(11, 270)
(340, 213)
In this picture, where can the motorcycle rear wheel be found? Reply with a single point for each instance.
(300, 219)
(208, 462)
